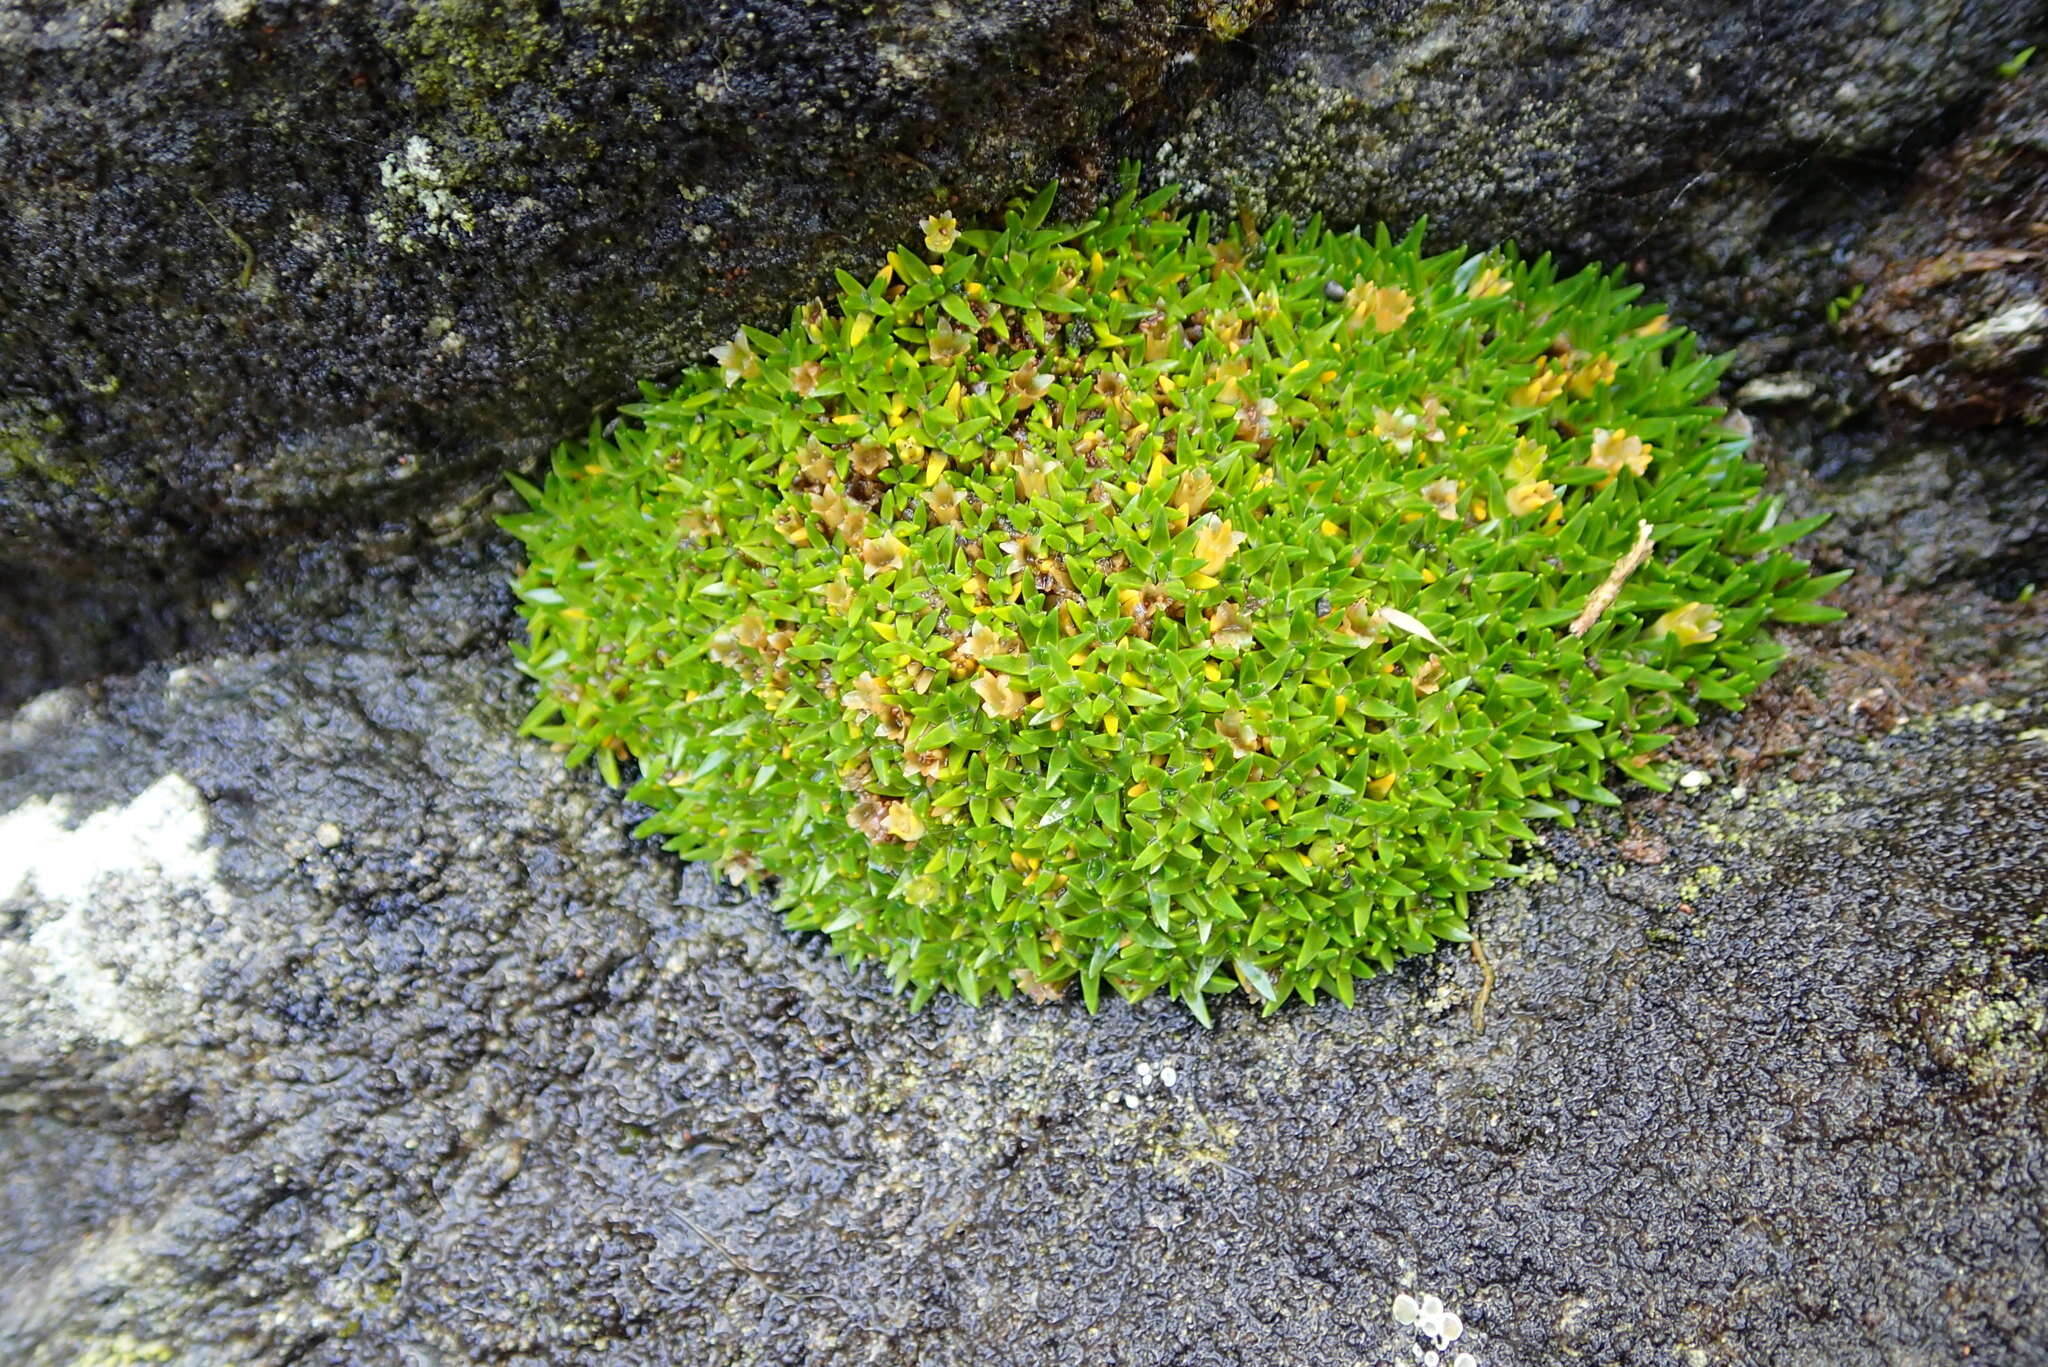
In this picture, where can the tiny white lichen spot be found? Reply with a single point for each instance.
(123, 977)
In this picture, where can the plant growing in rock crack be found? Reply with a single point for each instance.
(1142, 605)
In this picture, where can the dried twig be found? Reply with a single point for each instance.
(1485, 987)
(1604, 596)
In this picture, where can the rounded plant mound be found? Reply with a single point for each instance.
(1130, 604)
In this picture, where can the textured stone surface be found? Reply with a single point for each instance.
(277, 266)
(1952, 322)
(1606, 130)
(337, 1025)
(279, 269)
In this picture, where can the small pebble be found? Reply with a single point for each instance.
(327, 834)
(1168, 1075)
(1692, 780)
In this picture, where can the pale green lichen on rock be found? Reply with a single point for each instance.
(28, 443)
(1130, 604)
(462, 52)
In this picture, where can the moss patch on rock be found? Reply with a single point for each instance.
(1138, 605)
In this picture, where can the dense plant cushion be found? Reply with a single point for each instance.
(1143, 605)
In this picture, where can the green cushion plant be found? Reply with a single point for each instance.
(1145, 605)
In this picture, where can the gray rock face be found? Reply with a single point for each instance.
(1611, 131)
(273, 267)
(275, 270)
(337, 1025)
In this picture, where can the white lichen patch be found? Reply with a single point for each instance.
(1436, 1328)
(43, 715)
(419, 200)
(119, 908)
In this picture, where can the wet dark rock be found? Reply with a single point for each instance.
(338, 1025)
(1952, 319)
(278, 272)
(274, 268)
(1671, 133)
(1936, 513)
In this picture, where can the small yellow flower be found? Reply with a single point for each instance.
(736, 359)
(1162, 337)
(1386, 307)
(1362, 622)
(1228, 628)
(815, 316)
(1593, 374)
(941, 231)
(998, 698)
(1238, 732)
(1545, 385)
(1614, 451)
(870, 816)
(1225, 375)
(1396, 427)
(1391, 309)
(944, 501)
(903, 823)
(1430, 421)
(1527, 498)
(791, 525)
(884, 553)
(947, 343)
(1429, 678)
(1490, 284)
(982, 644)
(1525, 462)
(1215, 543)
(841, 518)
(1114, 391)
(1693, 624)
(1027, 384)
(1443, 496)
(817, 468)
(1032, 473)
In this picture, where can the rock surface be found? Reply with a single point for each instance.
(1952, 315)
(337, 1025)
(276, 270)
(274, 267)
(340, 1026)
(1610, 131)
